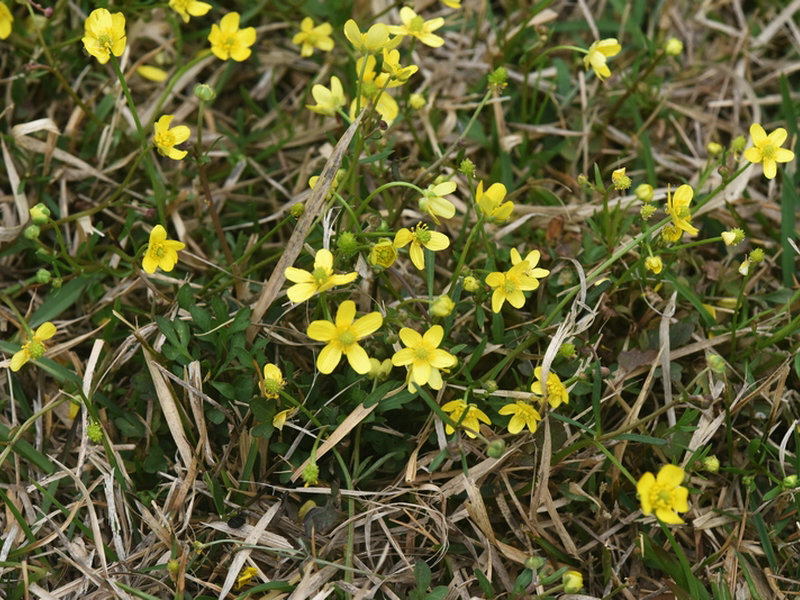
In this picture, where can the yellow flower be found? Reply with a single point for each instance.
(391, 64)
(452, 3)
(654, 264)
(733, 237)
(597, 54)
(161, 252)
(189, 7)
(228, 41)
(371, 42)
(532, 259)
(104, 34)
(416, 26)
(620, 180)
(421, 236)
(766, 149)
(572, 581)
(678, 209)
(671, 234)
(279, 420)
(442, 306)
(342, 338)
(664, 494)
(311, 37)
(245, 577)
(434, 203)
(556, 391)
(165, 138)
(510, 285)
(471, 415)
(423, 357)
(319, 280)
(328, 100)
(34, 348)
(273, 381)
(491, 202)
(383, 254)
(372, 90)
(152, 73)
(6, 19)
(523, 414)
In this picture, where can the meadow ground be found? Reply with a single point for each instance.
(356, 299)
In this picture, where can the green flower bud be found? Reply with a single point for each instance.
(644, 192)
(733, 237)
(789, 482)
(57, 283)
(496, 448)
(173, 567)
(497, 78)
(714, 149)
(40, 214)
(567, 350)
(710, 463)
(673, 47)
(347, 244)
(442, 306)
(94, 432)
(490, 385)
(738, 143)
(32, 232)
(757, 255)
(311, 473)
(417, 101)
(467, 167)
(297, 210)
(583, 180)
(205, 92)
(471, 284)
(43, 276)
(716, 363)
(534, 563)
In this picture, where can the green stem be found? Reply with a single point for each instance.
(462, 256)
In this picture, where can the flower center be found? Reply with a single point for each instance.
(347, 339)
(35, 348)
(416, 24)
(509, 286)
(104, 39)
(421, 353)
(272, 387)
(165, 139)
(158, 250)
(320, 275)
(312, 38)
(369, 89)
(769, 151)
(423, 235)
(228, 42)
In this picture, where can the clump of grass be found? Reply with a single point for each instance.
(484, 299)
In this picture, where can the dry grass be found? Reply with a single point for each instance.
(179, 455)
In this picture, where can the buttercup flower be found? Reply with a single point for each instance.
(442, 306)
(678, 209)
(532, 259)
(664, 494)
(597, 54)
(319, 280)
(371, 42)
(766, 149)
(523, 415)
(510, 285)
(556, 391)
(247, 574)
(104, 34)
(418, 27)
(186, 8)
(228, 41)
(434, 203)
(671, 234)
(391, 64)
(471, 415)
(373, 90)
(654, 264)
(491, 202)
(421, 236)
(161, 252)
(165, 138)
(620, 180)
(279, 420)
(342, 337)
(311, 37)
(572, 581)
(383, 253)
(423, 357)
(34, 348)
(6, 19)
(273, 381)
(733, 237)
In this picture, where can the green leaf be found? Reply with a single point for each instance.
(422, 575)
(60, 300)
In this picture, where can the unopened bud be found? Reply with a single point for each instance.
(32, 232)
(716, 363)
(204, 92)
(714, 149)
(496, 448)
(738, 143)
(757, 255)
(710, 464)
(417, 101)
(43, 276)
(40, 214)
(297, 210)
(467, 167)
(673, 47)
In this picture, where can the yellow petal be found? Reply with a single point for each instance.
(328, 358)
(321, 331)
(758, 134)
(670, 476)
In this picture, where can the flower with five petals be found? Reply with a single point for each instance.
(319, 280)
(419, 237)
(664, 494)
(532, 259)
(523, 414)
(104, 34)
(328, 100)
(228, 41)
(556, 391)
(417, 27)
(311, 37)
(467, 415)
(509, 285)
(342, 337)
(767, 149)
(423, 357)
(491, 202)
(186, 8)
(161, 252)
(166, 139)
(434, 203)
